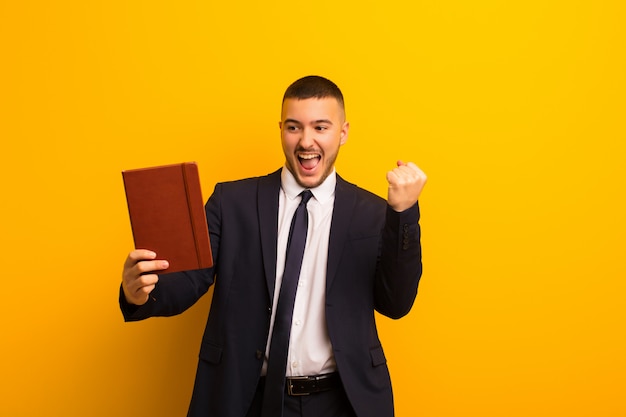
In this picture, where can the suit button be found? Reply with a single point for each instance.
(259, 354)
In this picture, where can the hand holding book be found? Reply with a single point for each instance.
(168, 221)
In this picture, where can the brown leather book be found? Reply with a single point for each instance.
(167, 214)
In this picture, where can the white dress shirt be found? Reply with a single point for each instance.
(310, 350)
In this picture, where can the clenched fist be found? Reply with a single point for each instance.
(406, 182)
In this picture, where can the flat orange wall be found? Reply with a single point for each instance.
(515, 110)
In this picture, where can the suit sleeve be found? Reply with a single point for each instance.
(176, 292)
(400, 263)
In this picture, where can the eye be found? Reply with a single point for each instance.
(292, 128)
(321, 128)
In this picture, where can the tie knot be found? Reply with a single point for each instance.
(306, 196)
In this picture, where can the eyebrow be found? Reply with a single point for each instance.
(314, 122)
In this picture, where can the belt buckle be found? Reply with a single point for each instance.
(290, 390)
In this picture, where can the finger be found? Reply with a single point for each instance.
(392, 177)
(413, 166)
(400, 175)
(140, 275)
(139, 255)
(140, 290)
(147, 280)
(411, 171)
(144, 292)
(142, 281)
(409, 167)
(146, 267)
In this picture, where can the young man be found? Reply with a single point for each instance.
(362, 254)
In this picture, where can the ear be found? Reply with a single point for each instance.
(343, 134)
(280, 125)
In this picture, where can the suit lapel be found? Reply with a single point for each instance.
(345, 200)
(267, 198)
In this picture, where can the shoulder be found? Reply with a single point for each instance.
(361, 195)
(248, 185)
(244, 195)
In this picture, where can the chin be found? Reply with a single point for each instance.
(309, 182)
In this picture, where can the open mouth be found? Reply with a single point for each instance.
(309, 161)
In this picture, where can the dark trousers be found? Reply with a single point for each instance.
(332, 403)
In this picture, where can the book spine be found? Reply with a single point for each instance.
(197, 214)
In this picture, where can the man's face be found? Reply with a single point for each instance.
(312, 131)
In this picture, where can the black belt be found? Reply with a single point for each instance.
(305, 385)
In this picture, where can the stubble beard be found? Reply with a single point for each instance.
(329, 168)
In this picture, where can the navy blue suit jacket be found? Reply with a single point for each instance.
(374, 263)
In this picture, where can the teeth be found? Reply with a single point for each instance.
(308, 156)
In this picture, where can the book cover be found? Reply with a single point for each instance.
(167, 214)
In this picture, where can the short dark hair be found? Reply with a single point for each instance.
(314, 86)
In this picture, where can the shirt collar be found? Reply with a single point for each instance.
(322, 192)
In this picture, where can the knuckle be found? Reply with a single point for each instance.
(143, 267)
(143, 280)
(134, 256)
(145, 289)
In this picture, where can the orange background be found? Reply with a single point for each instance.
(514, 109)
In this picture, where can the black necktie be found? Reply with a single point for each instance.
(279, 345)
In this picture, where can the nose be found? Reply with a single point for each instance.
(307, 140)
